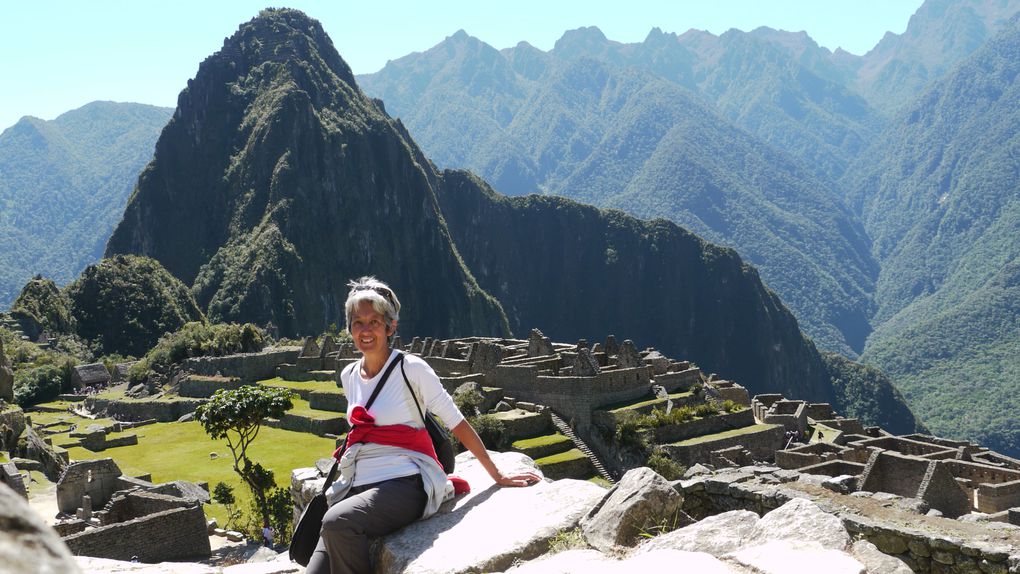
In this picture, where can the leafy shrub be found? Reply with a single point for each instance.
(468, 402)
(489, 429)
(42, 383)
(661, 463)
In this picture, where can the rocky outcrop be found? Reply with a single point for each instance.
(642, 503)
(26, 543)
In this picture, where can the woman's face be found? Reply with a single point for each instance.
(369, 329)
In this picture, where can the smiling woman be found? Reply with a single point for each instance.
(389, 472)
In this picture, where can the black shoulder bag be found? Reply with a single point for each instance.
(309, 526)
(437, 432)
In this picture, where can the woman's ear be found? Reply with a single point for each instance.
(391, 328)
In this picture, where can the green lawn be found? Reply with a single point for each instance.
(172, 451)
(572, 454)
(326, 386)
(545, 440)
(302, 408)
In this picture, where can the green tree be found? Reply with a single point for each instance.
(237, 416)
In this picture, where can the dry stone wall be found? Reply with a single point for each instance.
(177, 534)
(249, 367)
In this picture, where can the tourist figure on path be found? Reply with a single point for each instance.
(267, 534)
(389, 475)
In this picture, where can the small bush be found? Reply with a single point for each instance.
(564, 540)
(489, 429)
(668, 468)
(468, 402)
(43, 383)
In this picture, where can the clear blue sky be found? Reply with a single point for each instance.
(56, 56)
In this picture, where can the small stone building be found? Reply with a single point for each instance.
(91, 375)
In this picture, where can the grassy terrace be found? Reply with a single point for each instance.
(302, 408)
(325, 386)
(540, 441)
(572, 454)
(727, 434)
(619, 407)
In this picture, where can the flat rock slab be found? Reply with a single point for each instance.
(796, 557)
(594, 562)
(489, 528)
(104, 566)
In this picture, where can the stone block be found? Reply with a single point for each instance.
(461, 537)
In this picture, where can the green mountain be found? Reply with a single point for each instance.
(599, 122)
(578, 272)
(63, 186)
(277, 181)
(938, 193)
(939, 35)
(126, 303)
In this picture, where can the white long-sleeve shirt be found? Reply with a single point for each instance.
(395, 405)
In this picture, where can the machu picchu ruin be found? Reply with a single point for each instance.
(574, 411)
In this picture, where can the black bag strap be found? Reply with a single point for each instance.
(413, 396)
(382, 381)
(332, 472)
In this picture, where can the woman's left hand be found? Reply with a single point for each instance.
(524, 479)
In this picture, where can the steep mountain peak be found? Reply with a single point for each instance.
(581, 41)
(278, 180)
(285, 35)
(656, 37)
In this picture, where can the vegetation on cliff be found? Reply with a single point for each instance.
(938, 194)
(277, 181)
(126, 303)
(41, 306)
(610, 273)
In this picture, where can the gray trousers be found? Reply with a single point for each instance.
(369, 511)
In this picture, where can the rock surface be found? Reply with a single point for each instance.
(491, 527)
(6, 377)
(640, 503)
(26, 543)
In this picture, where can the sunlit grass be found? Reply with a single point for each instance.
(181, 451)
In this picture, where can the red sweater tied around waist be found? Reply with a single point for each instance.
(364, 429)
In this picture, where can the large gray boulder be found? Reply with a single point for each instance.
(490, 528)
(717, 535)
(643, 502)
(26, 543)
(722, 534)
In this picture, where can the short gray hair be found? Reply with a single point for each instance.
(382, 297)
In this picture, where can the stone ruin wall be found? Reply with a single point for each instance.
(249, 367)
(161, 411)
(178, 534)
(204, 386)
(130, 505)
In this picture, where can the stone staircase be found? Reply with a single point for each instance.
(568, 432)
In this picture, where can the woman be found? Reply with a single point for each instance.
(388, 477)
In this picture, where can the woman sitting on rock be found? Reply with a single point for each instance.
(389, 474)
